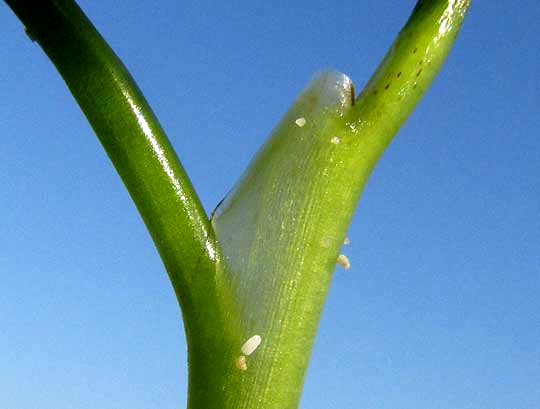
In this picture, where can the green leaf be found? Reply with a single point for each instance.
(134, 141)
(281, 228)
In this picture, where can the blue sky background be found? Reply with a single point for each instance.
(441, 307)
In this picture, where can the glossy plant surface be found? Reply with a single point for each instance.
(263, 264)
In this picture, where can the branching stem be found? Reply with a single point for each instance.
(281, 228)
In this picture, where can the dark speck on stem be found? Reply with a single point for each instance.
(29, 34)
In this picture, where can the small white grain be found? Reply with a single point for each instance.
(300, 122)
(343, 261)
(251, 345)
(335, 140)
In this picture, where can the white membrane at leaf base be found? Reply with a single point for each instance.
(251, 345)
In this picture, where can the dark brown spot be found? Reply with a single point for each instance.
(30, 35)
(415, 50)
(387, 86)
(398, 74)
(419, 72)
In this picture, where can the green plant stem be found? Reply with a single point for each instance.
(405, 74)
(282, 226)
(136, 145)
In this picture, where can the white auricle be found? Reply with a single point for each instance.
(343, 261)
(251, 345)
(300, 122)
